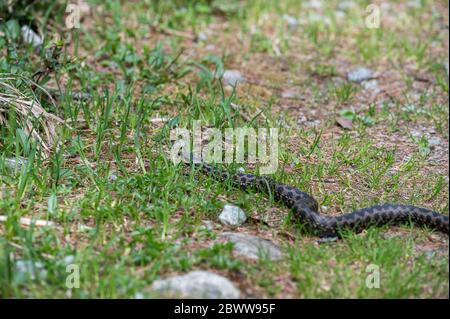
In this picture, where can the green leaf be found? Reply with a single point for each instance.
(12, 29)
(348, 114)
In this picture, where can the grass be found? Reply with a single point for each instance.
(126, 215)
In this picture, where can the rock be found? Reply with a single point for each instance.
(233, 77)
(433, 254)
(360, 74)
(197, 284)
(291, 21)
(27, 269)
(201, 36)
(68, 260)
(434, 141)
(241, 170)
(290, 94)
(207, 225)
(340, 14)
(446, 68)
(372, 86)
(232, 215)
(31, 37)
(346, 5)
(313, 123)
(112, 177)
(430, 254)
(315, 4)
(139, 295)
(251, 246)
(12, 163)
(414, 4)
(302, 119)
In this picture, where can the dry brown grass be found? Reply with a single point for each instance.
(30, 115)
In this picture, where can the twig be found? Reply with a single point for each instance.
(168, 31)
(28, 221)
(246, 117)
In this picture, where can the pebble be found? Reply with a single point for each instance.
(346, 5)
(27, 269)
(201, 36)
(207, 225)
(139, 295)
(232, 215)
(31, 37)
(434, 141)
(112, 177)
(68, 260)
(251, 246)
(241, 170)
(197, 285)
(359, 74)
(291, 21)
(12, 163)
(315, 4)
(290, 94)
(414, 4)
(233, 77)
(372, 86)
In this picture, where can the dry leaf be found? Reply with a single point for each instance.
(344, 123)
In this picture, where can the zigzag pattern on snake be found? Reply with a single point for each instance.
(306, 208)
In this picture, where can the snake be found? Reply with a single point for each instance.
(306, 208)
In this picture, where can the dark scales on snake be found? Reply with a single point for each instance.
(306, 208)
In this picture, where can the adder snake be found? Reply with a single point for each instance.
(306, 208)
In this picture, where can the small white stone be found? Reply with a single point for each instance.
(414, 4)
(233, 77)
(346, 5)
(340, 14)
(434, 141)
(112, 177)
(291, 21)
(207, 225)
(31, 37)
(232, 215)
(68, 260)
(372, 86)
(201, 36)
(252, 247)
(139, 295)
(197, 284)
(315, 4)
(359, 74)
(12, 163)
(30, 269)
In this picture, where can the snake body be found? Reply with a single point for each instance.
(306, 209)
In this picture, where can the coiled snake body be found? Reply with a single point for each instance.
(306, 208)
